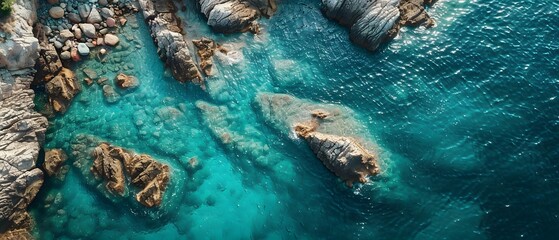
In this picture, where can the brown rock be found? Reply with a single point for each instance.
(206, 49)
(54, 159)
(62, 89)
(108, 166)
(125, 81)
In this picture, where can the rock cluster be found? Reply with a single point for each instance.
(22, 130)
(172, 46)
(111, 163)
(342, 155)
(206, 49)
(230, 16)
(374, 22)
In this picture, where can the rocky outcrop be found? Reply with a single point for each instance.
(342, 155)
(206, 49)
(22, 130)
(374, 22)
(54, 159)
(111, 163)
(230, 16)
(167, 33)
(62, 89)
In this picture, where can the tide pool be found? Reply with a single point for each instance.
(463, 117)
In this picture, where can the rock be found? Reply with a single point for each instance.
(112, 164)
(52, 1)
(124, 81)
(66, 34)
(122, 21)
(107, 13)
(206, 48)
(88, 29)
(110, 94)
(103, 51)
(78, 33)
(54, 158)
(48, 63)
(56, 12)
(19, 234)
(102, 2)
(90, 73)
(94, 16)
(83, 49)
(342, 155)
(171, 44)
(370, 22)
(58, 45)
(412, 13)
(65, 55)
(229, 16)
(74, 54)
(84, 10)
(111, 40)
(62, 89)
(74, 18)
(111, 22)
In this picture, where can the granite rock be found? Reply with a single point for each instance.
(229, 16)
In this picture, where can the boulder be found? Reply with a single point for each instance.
(65, 55)
(206, 49)
(88, 30)
(107, 13)
(66, 34)
(84, 10)
(62, 89)
(54, 159)
(111, 40)
(229, 16)
(107, 165)
(56, 12)
(125, 81)
(48, 63)
(94, 16)
(344, 156)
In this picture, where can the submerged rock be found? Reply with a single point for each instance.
(167, 33)
(108, 166)
(230, 16)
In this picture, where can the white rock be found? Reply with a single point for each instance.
(83, 49)
(65, 55)
(111, 39)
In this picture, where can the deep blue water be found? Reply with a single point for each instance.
(464, 117)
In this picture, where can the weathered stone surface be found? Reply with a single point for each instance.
(206, 49)
(342, 155)
(111, 163)
(229, 16)
(171, 44)
(374, 22)
(125, 81)
(54, 158)
(74, 18)
(48, 64)
(22, 130)
(94, 16)
(83, 10)
(62, 89)
(88, 29)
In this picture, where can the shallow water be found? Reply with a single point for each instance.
(463, 116)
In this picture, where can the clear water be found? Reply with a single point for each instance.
(464, 117)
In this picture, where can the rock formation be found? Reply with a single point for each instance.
(342, 155)
(54, 158)
(167, 33)
(111, 163)
(206, 49)
(125, 81)
(230, 16)
(374, 22)
(22, 130)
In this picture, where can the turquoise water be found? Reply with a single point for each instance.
(463, 116)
